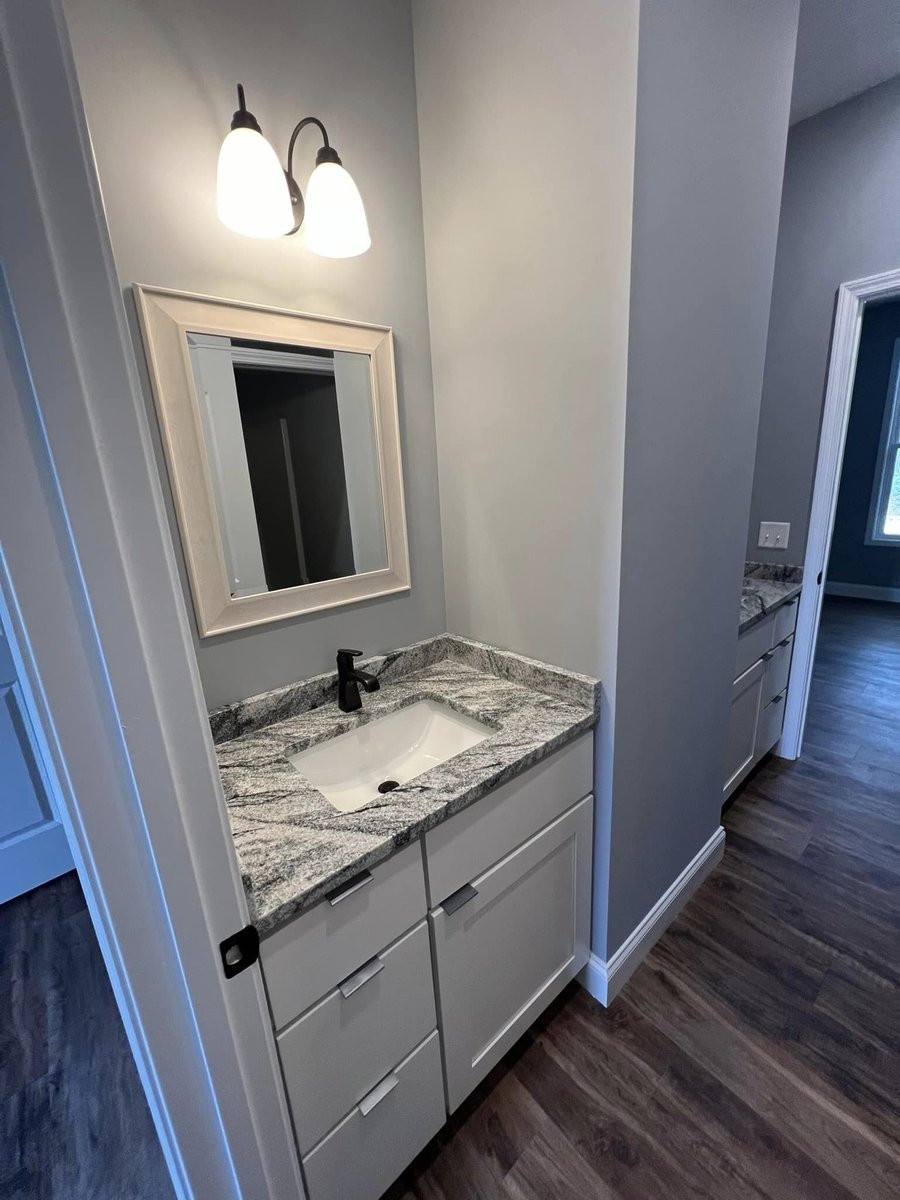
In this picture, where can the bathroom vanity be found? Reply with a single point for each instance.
(410, 933)
(765, 646)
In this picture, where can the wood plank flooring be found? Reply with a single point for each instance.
(74, 1122)
(756, 1053)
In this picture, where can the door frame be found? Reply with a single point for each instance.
(100, 620)
(852, 298)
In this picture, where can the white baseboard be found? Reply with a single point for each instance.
(863, 591)
(605, 979)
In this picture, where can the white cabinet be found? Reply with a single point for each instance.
(312, 954)
(508, 943)
(483, 833)
(352, 981)
(763, 665)
(346, 1044)
(745, 703)
(363, 1155)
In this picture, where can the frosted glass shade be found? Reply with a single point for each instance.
(251, 190)
(335, 222)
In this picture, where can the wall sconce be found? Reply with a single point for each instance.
(257, 198)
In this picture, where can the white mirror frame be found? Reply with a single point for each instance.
(166, 319)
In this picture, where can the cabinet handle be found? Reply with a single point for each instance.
(336, 895)
(778, 699)
(366, 972)
(768, 654)
(457, 899)
(378, 1093)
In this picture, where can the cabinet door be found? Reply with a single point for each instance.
(507, 943)
(741, 745)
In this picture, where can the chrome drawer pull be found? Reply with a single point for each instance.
(347, 889)
(378, 1093)
(366, 972)
(457, 899)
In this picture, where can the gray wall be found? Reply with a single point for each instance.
(839, 221)
(714, 86)
(527, 137)
(852, 561)
(526, 119)
(158, 80)
(526, 130)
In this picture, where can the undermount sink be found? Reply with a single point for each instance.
(352, 769)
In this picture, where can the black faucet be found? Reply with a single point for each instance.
(349, 679)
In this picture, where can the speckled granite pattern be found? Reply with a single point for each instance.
(293, 846)
(766, 587)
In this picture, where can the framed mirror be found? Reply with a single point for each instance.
(282, 444)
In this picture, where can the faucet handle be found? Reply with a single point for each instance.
(349, 653)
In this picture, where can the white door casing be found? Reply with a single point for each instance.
(96, 609)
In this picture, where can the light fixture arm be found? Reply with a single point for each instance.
(327, 153)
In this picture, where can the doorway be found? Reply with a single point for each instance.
(853, 520)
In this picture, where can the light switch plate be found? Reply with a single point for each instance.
(773, 535)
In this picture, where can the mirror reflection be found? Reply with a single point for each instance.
(292, 449)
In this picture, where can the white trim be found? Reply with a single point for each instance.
(863, 591)
(605, 979)
(851, 300)
(100, 621)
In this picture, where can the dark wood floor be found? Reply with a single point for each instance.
(756, 1053)
(74, 1123)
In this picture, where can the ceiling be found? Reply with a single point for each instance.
(844, 47)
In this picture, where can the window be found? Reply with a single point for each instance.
(884, 514)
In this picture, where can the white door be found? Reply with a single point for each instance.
(33, 844)
(520, 934)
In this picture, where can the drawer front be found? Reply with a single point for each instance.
(360, 1158)
(485, 832)
(522, 933)
(786, 619)
(305, 959)
(753, 644)
(778, 668)
(339, 1050)
(768, 731)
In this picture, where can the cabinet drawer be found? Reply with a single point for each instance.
(313, 953)
(485, 832)
(753, 644)
(363, 1155)
(768, 731)
(520, 935)
(339, 1050)
(778, 668)
(786, 619)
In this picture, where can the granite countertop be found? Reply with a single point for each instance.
(293, 846)
(766, 587)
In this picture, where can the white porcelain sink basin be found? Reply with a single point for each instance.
(349, 769)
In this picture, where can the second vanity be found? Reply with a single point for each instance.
(765, 647)
(412, 928)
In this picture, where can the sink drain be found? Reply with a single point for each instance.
(388, 786)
